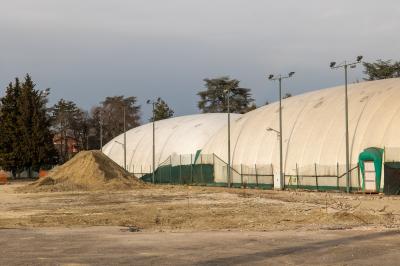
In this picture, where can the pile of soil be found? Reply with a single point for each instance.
(88, 170)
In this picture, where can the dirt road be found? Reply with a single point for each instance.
(117, 246)
(178, 225)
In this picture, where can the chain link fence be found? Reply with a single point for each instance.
(210, 170)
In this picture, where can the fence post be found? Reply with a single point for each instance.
(272, 171)
(358, 176)
(241, 174)
(170, 169)
(297, 176)
(191, 168)
(213, 177)
(316, 176)
(180, 168)
(255, 167)
(201, 168)
(337, 175)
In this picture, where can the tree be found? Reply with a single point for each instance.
(9, 132)
(68, 120)
(287, 95)
(213, 99)
(111, 114)
(381, 70)
(161, 110)
(65, 115)
(26, 140)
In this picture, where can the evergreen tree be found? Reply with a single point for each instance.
(36, 146)
(26, 141)
(213, 99)
(67, 121)
(161, 110)
(381, 70)
(9, 132)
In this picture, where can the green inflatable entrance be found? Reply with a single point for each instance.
(370, 162)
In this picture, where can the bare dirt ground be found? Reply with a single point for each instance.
(195, 223)
(116, 246)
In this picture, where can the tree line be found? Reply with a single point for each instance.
(29, 129)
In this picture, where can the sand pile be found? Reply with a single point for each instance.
(88, 170)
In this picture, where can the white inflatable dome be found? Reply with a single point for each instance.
(175, 136)
(314, 129)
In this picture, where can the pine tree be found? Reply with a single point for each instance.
(9, 132)
(382, 70)
(65, 116)
(25, 138)
(36, 141)
(213, 99)
(161, 110)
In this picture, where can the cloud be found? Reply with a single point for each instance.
(86, 50)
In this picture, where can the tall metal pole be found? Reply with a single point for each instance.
(347, 132)
(282, 180)
(280, 132)
(229, 140)
(125, 138)
(346, 66)
(154, 146)
(101, 133)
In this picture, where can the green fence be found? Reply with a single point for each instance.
(182, 174)
(210, 170)
(324, 180)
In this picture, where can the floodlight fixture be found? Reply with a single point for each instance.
(148, 101)
(359, 58)
(291, 74)
(270, 77)
(332, 64)
(353, 66)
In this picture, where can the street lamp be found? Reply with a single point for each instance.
(346, 65)
(280, 78)
(227, 93)
(125, 138)
(124, 147)
(101, 131)
(154, 145)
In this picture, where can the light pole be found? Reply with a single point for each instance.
(154, 139)
(280, 78)
(123, 146)
(101, 132)
(125, 137)
(227, 93)
(346, 65)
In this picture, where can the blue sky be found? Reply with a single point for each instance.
(85, 50)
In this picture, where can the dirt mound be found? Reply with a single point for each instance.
(88, 170)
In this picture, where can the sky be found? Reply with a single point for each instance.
(86, 50)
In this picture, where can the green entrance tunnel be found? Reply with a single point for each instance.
(370, 162)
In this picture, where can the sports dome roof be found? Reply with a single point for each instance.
(178, 135)
(314, 128)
